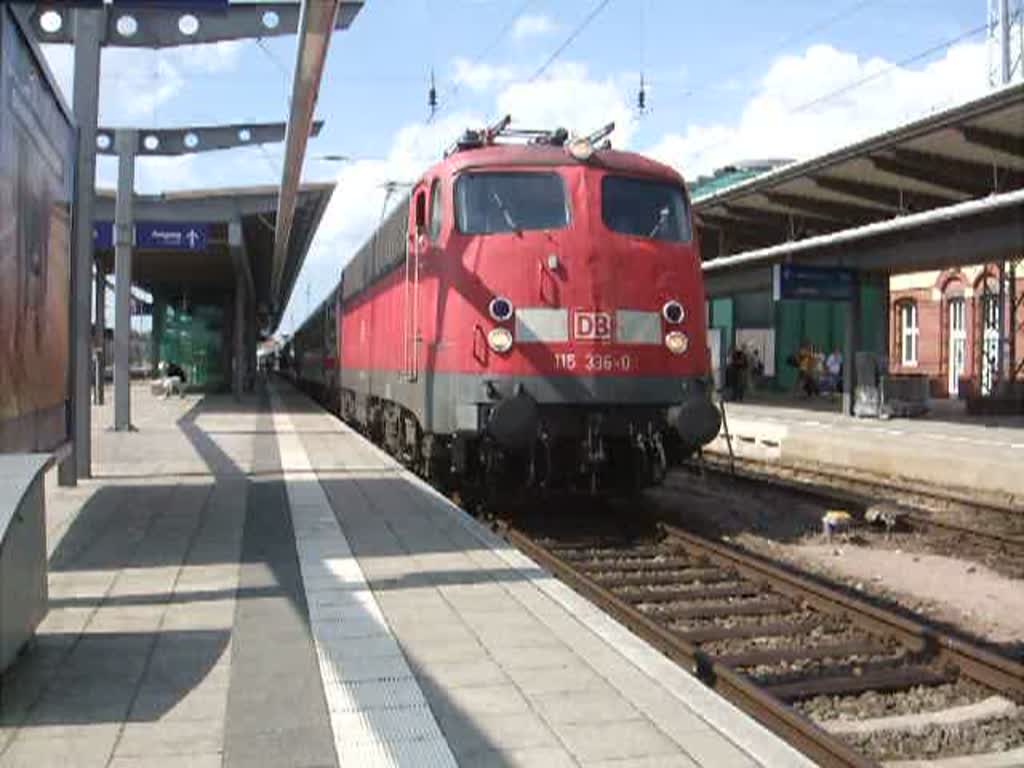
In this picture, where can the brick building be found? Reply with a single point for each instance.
(944, 324)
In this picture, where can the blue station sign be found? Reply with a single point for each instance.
(189, 236)
(103, 235)
(799, 281)
(184, 236)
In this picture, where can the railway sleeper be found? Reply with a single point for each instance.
(879, 680)
(637, 566)
(611, 581)
(786, 655)
(750, 631)
(576, 552)
(724, 610)
(723, 589)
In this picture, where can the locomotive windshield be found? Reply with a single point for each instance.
(509, 202)
(645, 208)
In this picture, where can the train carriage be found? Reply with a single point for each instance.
(531, 314)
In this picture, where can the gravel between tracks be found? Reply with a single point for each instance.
(996, 735)
(777, 523)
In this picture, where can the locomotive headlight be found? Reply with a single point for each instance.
(676, 342)
(581, 148)
(673, 312)
(500, 340)
(500, 308)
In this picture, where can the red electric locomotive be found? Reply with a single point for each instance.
(531, 315)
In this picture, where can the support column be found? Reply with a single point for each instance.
(90, 26)
(99, 331)
(851, 338)
(238, 358)
(157, 337)
(1014, 322)
(1001, 320)
(126, 142)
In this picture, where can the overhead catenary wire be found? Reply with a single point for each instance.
(853, 85)
(445, 97)
(576, 32)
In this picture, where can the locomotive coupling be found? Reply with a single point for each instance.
(514, 421)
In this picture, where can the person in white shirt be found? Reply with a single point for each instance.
(834, 369)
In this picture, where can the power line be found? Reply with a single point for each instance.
(484, 53)
(570, 39)
(882, 72)
(867, 79)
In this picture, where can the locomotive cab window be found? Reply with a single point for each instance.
(487, 203)
(436, 210)
(645, 208)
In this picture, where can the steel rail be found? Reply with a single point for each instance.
(949, 654)
(796, 729)
(849, 488)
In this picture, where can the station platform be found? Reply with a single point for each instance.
(972, 458)
(252, 583)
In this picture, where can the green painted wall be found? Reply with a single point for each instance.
(195, 341)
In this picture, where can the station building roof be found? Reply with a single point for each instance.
(209, 273)
(956, 160)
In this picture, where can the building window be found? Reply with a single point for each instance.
(909, 333)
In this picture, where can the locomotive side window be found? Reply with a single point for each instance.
(486, 203)
(436, 210)
(645, 208)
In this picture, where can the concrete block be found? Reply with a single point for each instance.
(595, 705)
(164, 739)
(536, 681)
(459, 674)
(537, 757)
(615, 740)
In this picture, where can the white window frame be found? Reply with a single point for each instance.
(910, 334)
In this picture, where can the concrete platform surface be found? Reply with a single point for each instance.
(253, 584)
(967, 458)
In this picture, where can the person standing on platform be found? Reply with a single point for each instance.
(834, 370)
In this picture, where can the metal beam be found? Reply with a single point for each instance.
(200, 138)
(1006, 143)
(930, 174)
(883, 197)
(162, 27)
(123, 245)
(826, 209)
(983, 178)
(315, 27)
(779, 219)
(85, 99)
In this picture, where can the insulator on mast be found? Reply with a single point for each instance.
(641, 96)
(432, 95)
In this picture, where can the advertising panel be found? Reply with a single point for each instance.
(36, 172)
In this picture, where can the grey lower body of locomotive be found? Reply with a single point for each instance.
(514, 409)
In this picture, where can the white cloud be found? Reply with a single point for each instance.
(570, 98)
(532, 25)
(784, 118)
(479, 76)
(135, 83)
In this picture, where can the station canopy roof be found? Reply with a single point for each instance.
(971, 152)
(207, 271)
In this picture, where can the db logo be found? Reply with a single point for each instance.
(592, 326)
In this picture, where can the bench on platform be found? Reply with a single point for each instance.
(23, 590)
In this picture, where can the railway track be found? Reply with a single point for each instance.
(791, 650)
(991, 531)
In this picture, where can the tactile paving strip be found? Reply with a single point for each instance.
(379, 716)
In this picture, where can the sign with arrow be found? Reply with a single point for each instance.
(186, 236)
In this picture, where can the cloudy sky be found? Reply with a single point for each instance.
(725, 81)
